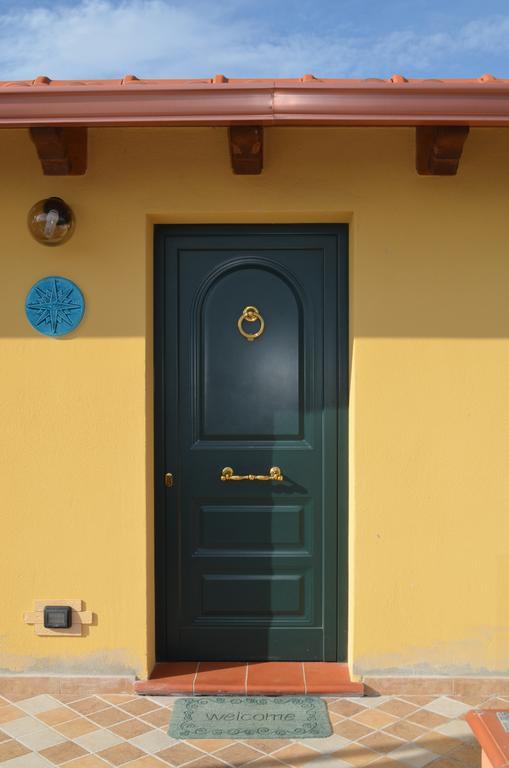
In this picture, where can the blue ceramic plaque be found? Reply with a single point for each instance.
(54, 306)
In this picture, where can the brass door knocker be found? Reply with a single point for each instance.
(250, 315)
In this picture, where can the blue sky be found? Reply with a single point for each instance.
(242, 38)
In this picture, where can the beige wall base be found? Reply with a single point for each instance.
(446, 686)
(23, 686)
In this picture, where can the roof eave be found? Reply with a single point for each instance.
(355, 103)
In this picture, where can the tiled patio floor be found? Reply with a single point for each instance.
(125, 730)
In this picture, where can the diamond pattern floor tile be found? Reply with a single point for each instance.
(412, 755)
(457, 729)
(179, 754)
(36, 704)
(447, 707)
(295, 755)
(62, 753)
(10, 749)
(356, 755)
(123, 731)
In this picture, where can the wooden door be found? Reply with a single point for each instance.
(248, 346)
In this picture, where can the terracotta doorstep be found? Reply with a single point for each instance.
(168, 678)
(492, 738)
(275, 677)
(213, 676)
(266, 677)
(330, 678)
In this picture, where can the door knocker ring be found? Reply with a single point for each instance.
(250, 315)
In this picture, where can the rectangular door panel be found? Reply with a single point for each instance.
(246, 529)
(260, 595)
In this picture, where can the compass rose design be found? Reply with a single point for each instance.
(54, 306)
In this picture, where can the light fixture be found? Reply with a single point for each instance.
(51, 221)
(57, 616)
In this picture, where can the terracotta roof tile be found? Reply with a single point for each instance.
(263, 82)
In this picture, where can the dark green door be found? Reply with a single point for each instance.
(250, 323)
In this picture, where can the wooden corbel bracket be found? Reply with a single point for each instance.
(246, 148)
(439, 148)
(62, 151)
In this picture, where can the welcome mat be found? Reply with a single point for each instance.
(250, 717)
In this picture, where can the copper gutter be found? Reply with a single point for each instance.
(218, 102)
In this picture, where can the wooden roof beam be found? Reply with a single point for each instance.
(246, 148)
(439, 148)
(62, 151)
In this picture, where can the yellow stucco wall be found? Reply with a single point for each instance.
(429, 442)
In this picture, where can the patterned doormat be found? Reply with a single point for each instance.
(250, 717)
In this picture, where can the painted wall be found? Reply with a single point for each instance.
(429, 509)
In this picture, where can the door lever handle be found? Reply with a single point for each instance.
(274, 474)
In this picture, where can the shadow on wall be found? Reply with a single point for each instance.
(418, 284)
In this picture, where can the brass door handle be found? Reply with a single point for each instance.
(274, 474)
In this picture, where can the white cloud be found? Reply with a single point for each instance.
(153, 38)
(489, 35)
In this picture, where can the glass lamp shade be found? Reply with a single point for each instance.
(51, 221)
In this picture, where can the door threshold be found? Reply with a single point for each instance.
(271, 678)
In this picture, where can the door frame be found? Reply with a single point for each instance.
(162, 385)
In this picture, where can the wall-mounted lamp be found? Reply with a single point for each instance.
(51, 221)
